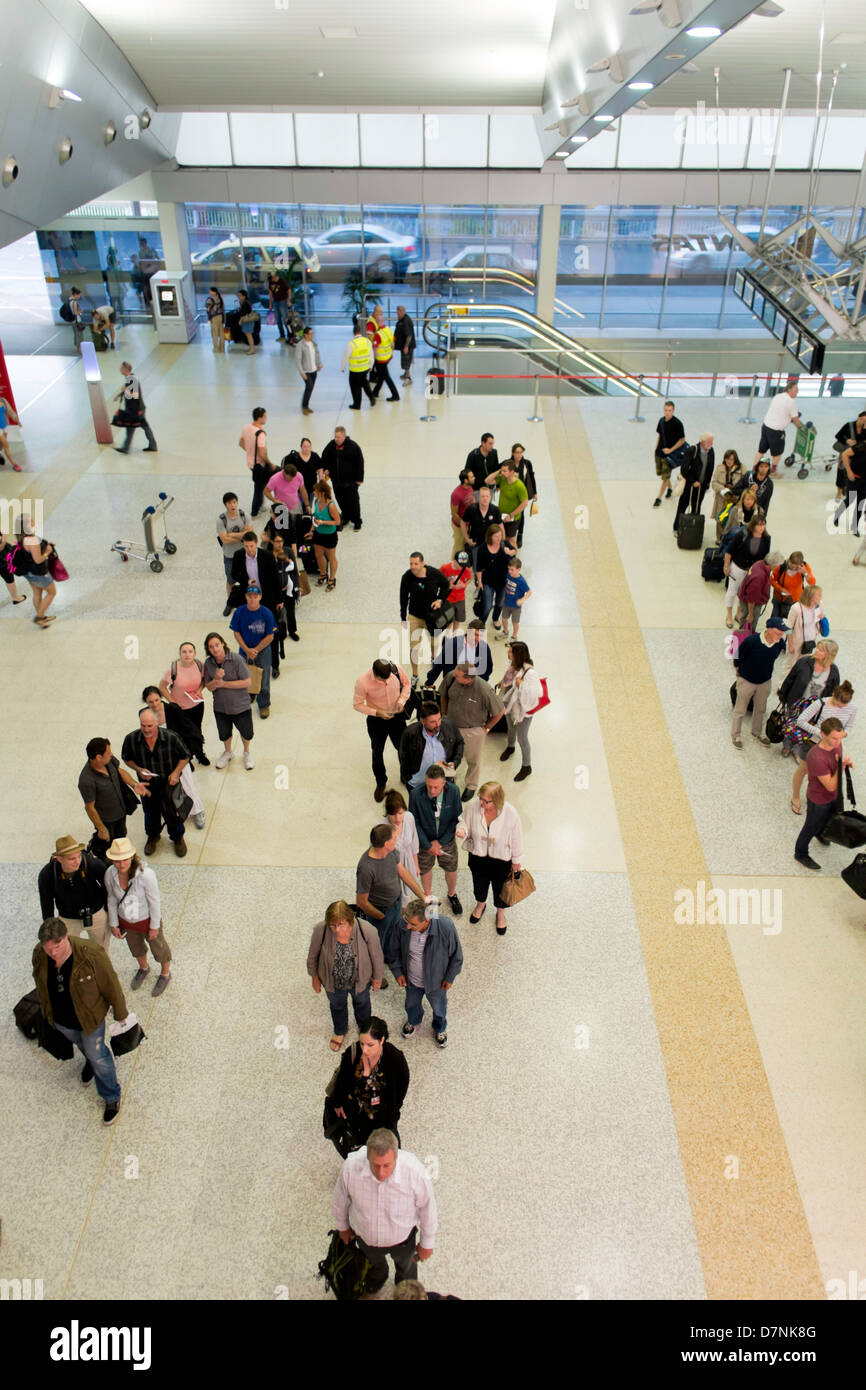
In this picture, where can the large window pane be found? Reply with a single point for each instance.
(636, 266)
(334, 238)
(455, 142)
(700, 254)
(580, 267)
(749, 221)
(392, 141)
(511, 262)
(453, 239)
(215, 250)
(327, 141)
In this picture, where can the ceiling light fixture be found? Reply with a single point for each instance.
(704, 31)
(59, 94)
(641, 86)
(562, 154)
(64, 154)
(318, 74)
(602, 119)
(579, 139)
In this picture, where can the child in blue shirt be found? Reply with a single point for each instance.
(517, 591)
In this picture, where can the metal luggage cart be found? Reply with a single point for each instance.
(804, 449)
(149, 552)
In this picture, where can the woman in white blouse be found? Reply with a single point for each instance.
(132, 894)
(401, 819)
(490, 830)
(803, 619)
(837, 705)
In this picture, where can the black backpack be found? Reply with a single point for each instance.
(345, 1268)
(66, 312)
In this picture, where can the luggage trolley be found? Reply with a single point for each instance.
(804, 448)
(149, 551)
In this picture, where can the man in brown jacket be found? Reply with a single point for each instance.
(77, 986)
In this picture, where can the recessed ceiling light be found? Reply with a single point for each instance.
(68, 95)
(674, 57)
(704, 31)
(641, 86)
(602, 119)
(318, 74)
(579, 139)
(562, 154)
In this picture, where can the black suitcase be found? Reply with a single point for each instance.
(27, 1013)
(690, 532)
(308, 558)
(713, 565)
(437, 375)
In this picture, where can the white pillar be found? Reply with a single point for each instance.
(548, 255)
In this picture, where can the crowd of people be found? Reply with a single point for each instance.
(388, 919)
(816, 709)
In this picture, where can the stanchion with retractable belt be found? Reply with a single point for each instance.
(748, 419)
(430, 390)
(535, 417)
(637, 418)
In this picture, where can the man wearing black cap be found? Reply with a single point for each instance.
(753, 663)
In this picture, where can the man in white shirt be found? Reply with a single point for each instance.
(781, 412)
(309, 365)
(381, 1194)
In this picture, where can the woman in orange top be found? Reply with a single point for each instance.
(788, 582)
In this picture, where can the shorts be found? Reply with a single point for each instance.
(511, 528)
(663, 468)
(447, 860)
(800, 751)
(39, 581)
(243, 722)
(772, 442)
(459, 606)
(327, 542)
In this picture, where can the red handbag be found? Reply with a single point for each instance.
(56, 568)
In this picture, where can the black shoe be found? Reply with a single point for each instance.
(408, 1029)
(657, 502)
(525, 771)
(120, 451)
(822, 841)
(110, 1114)
(808, 862)
(468, 793)
(275, 672)
(500, 931)
(227, 611)
(669, 493)
(509, 752)
(455, 904)
(151, 449)
(358, 525)
(354, 407)
(203, 760)
(86, 1074)
(294, 637)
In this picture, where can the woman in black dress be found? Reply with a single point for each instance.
(372, 1082)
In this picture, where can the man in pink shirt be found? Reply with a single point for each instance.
(462, 497)
(287, 488)
(381, 694)
(254, 443)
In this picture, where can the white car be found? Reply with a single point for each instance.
(703, 252)
(262, 256)
(471, 258)
(386, 254)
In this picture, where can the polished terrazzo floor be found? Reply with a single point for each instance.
(628, 1107)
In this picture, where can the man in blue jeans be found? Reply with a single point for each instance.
(426, 958)
(254, 627)
(77, 985)
(377, 885)
(825, 764)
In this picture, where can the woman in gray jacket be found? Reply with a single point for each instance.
(346, 958)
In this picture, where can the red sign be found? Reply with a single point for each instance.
(5, 383)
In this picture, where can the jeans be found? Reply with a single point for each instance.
(155, 813)
(380, 730)
(817, 817)
(438, 1000)
(339, 1002)
(227, 566)
(492, 599)
(265, 661)
(521, 732)
(258, 498)
(308, 389)
(387, 928)
(100, 1057)
(130, 431)
(403, 1255)
(281, 312)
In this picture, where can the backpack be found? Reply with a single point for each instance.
(544, 700)
(66, 312)
(18, 560)
(174, 670)
(345, 1269)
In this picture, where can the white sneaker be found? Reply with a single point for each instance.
(224, 759)
(249, 761)
(198, 821)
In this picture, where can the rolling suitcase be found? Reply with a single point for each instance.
(713, 565)
(690, 532)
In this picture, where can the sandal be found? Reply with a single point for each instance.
(336, 1043)
(728, 623)
(796, 807)
(331, 584)
(322, 579)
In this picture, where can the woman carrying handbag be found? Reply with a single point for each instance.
(39, 576)
(490, 830)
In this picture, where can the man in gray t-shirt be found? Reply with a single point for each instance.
(231, 523)
(377, 883)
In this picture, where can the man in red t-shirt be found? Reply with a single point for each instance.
(459, 572)
(823, 766)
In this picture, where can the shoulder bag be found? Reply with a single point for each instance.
(517, 886)
(846, 828)
(127, 795)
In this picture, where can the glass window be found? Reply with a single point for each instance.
(699, 261)
(203, 139)
(639, 238)
(512, 247)
(327, 141)
(580, 267)
(215, 249)
(455, 142)
(263, 138)
(450, 234)
(395, 140)
(393, 256)
(748, 220)
(335, 266)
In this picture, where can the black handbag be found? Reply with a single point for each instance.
(441, 617)
(122, 1043)
(27, 1014)
(478, 605)
(776, 724)
(54, 1043)
(345, 1269)
(846, 828)
(855, 875)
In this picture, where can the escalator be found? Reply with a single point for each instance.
(450, 327)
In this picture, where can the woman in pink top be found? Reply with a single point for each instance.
(181, 686)
(287, 488)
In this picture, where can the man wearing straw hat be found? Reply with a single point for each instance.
(71, 887)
